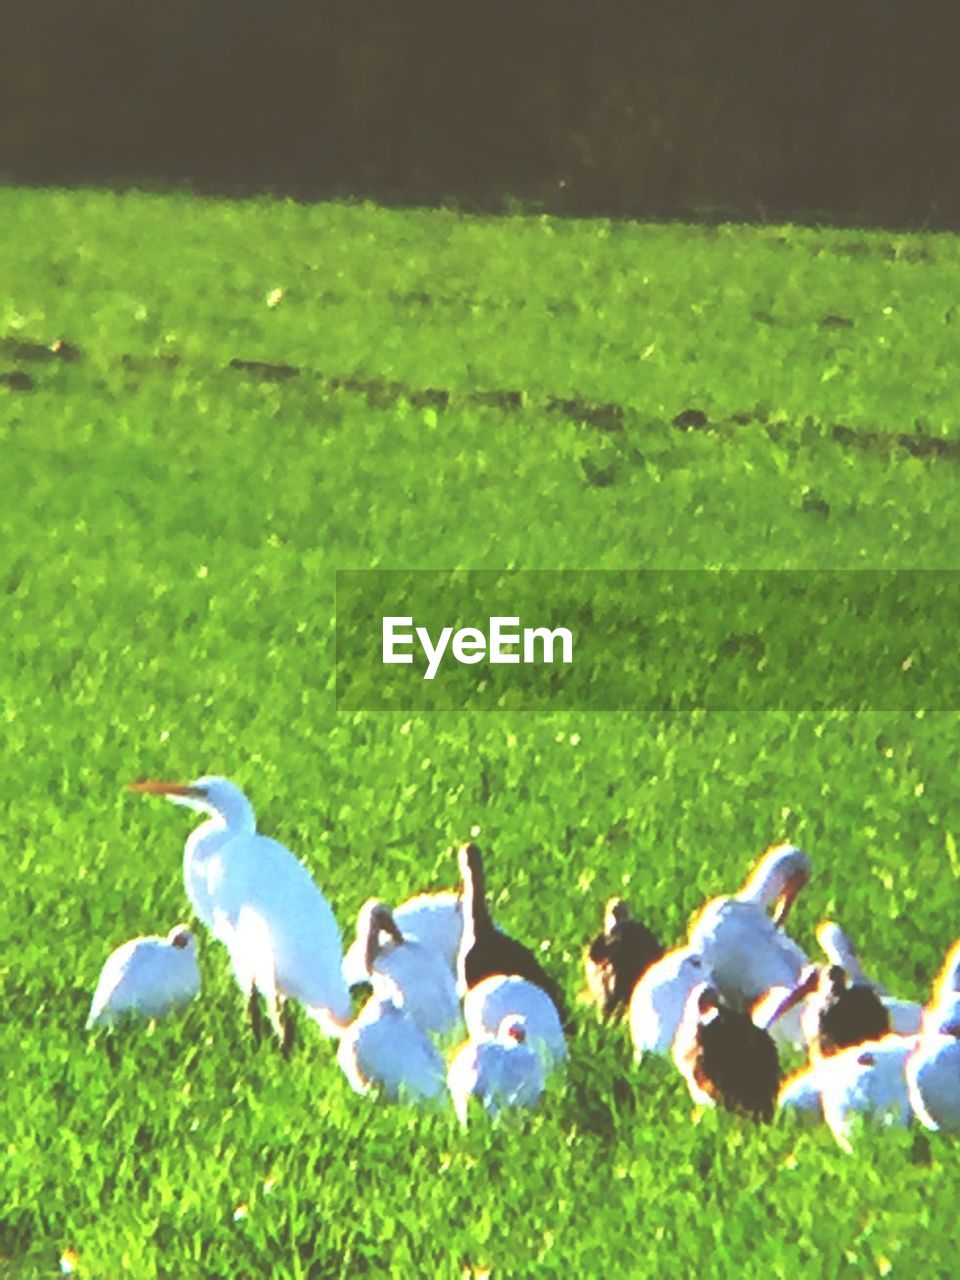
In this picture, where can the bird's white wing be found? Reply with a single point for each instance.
(145, 976)
(434, 920)
(258, 873)
(426, 983)
(111, 979)
(933, 1082)
(660, 997)
(391, 1052)
(747, 952)
(521, 1077)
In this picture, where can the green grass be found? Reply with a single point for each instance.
(168, 536)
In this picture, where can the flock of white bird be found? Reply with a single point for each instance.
(725, 1005)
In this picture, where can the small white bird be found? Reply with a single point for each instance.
(385, 1050)
(490, 1002)
(505, 1072)
(263, 904)
(421, 974)
(147, 977)
(933, 1071)
(748, 950)
(660, 998)
(433, 920)
(866, 1083)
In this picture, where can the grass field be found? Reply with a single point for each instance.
(454, 392)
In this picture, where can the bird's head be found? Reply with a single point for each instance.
(218, 797)
(615, 913)
(513, 1030)
(777, 879)
(469, 860)
(833, 980)
(376, 918)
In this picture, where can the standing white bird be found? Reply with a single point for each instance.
(421, 973)
(660, 998)
(147, 977)
(933, 1071)
(505, 1072)
(486, 1005)
(748, 950)
(262, 903)
(385, 1050)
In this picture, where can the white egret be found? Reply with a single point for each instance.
(263, 904)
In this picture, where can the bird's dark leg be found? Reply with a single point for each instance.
(113, 1053)
(288, 1027)
(253, 1012)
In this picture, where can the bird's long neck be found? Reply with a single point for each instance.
(234, 818)
(764, 886)
(234, 811)
(839, 950)
(476, 913)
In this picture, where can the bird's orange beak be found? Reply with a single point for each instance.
(803, 988)
(165, 788)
